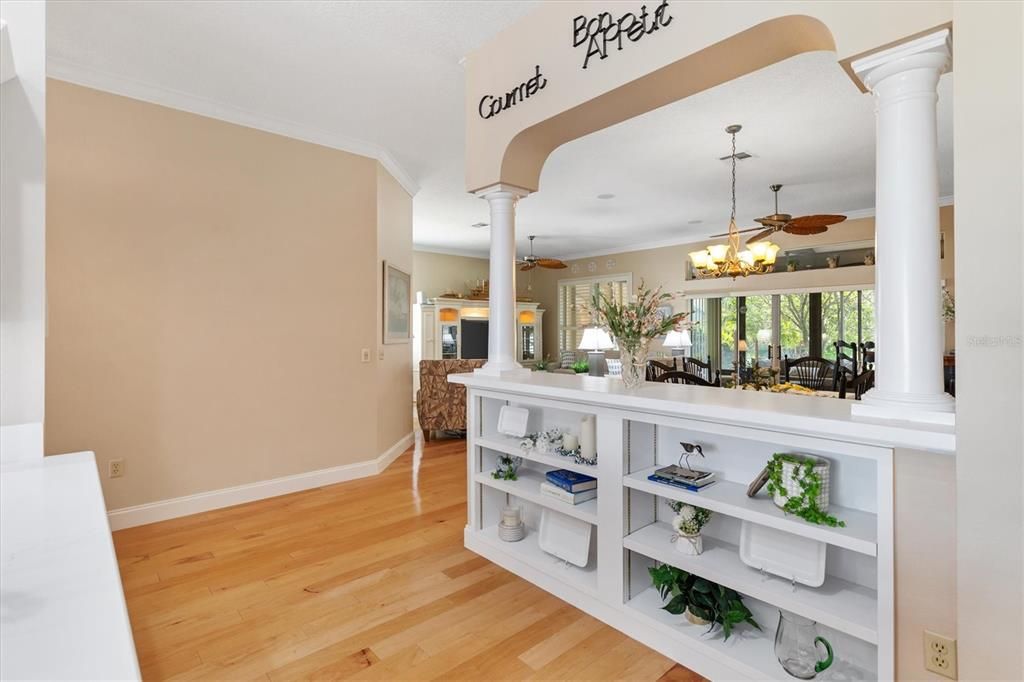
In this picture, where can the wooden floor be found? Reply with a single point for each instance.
(366, 579)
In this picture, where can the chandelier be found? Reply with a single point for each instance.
(727, 260)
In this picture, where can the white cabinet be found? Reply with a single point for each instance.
(456, 328)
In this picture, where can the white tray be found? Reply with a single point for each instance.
(564, 537)
(512, 421)
(783, 554)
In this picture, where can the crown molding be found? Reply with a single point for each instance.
(445, 251)
(78, 74)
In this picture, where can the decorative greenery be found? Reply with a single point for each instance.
(704, 599)
(507, 468)
(689, 519)
(542, 364)
(580, 367)
(804, 505)
(635, 322)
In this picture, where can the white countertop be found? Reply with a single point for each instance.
(62, 610)
(809, 415)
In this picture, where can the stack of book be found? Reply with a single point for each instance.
(569, 486)
(681, 477)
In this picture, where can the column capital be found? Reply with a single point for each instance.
(933, 50)
(501, 188)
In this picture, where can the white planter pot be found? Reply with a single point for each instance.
(696, 620)
(691, 545)
(794, 488)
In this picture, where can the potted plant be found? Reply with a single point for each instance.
(634, 324)
(701, 601)
(799, 484)
(687, 523)
(580, 367)
(507, 469)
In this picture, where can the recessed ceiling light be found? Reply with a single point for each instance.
(606, 196)
(694, 222)
(479, 225)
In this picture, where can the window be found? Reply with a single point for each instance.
(800, 323)
(574, 299)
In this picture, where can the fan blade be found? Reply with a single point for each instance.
(813, 221)
(551, 263)
(745, 229)
(815, 229)
(774, 220)
(527, 266)
(763, 235)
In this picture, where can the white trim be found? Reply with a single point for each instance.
(71, 72)
(446, 251)
(151, 512)
(945, 200)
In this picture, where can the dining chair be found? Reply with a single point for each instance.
(859, 384)
(656, 369)
(695, 366)
(846, 362)
(811, 372)
(678, 377)
(867, 355)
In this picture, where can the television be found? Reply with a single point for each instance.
(474, 339)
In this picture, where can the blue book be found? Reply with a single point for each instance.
(571, 481)
(676, 484)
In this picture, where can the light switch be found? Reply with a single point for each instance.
(366, 355)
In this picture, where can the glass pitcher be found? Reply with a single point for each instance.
(796, 646)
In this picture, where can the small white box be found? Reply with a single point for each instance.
(512, 421)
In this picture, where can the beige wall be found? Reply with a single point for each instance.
(207, 289)
(434, 273)
(394, 367)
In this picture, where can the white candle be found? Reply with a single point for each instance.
(588, 437)
(570, 442)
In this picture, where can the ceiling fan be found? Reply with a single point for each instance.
(531, 261)
(784, 222)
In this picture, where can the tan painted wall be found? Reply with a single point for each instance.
(394, 366)
(433, 273)
(208, 290)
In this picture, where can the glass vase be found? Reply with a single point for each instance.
(634, 366)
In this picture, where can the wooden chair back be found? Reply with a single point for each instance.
(810, 372)
(695, 366)
(656, 369)
(678, 377)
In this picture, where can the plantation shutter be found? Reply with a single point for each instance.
(574, 302)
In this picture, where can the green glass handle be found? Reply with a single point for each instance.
(822, 665)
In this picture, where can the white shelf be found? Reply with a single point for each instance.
(510, 446)
(527, 551)
(528, 488)
(859, 535)
(839, 604)
(748, 651)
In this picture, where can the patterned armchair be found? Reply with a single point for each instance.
(442, 406)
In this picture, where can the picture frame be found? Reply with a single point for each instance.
(397, 297)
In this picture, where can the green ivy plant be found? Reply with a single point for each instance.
(804, 505)
(543, 364)
(580, 367)
(705, 599)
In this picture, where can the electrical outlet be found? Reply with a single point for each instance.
(940, 654)
(115, 468)
(365, 355)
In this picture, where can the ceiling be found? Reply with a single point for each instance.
(383, 78)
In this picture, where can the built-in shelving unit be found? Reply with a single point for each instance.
(630, 531)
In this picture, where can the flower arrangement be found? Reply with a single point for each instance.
(689, 519)
(948, 305)
(508, 467)
(550, 442)
(634, 324)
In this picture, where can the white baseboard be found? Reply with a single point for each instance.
(152, 512)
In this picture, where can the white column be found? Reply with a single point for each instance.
(501, 330)
(909, 332)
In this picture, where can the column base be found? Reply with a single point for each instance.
(913, 407)
(502, 370)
